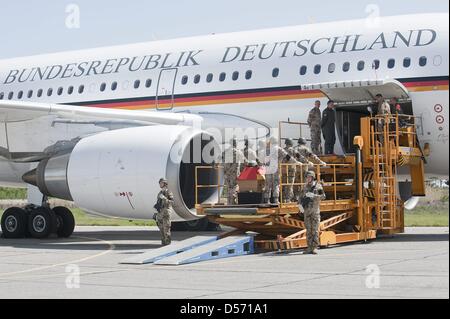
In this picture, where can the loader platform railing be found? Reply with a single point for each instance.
(337, 181)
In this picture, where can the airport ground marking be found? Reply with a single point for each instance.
(77, 261)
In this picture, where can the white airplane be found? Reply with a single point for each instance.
(99, 124)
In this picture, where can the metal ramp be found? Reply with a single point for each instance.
(171, 250)
(222, 248)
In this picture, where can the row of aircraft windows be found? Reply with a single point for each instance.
(361, 65)
(222, 77)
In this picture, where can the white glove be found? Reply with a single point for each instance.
(302, 210)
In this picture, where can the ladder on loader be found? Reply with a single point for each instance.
(362, 198)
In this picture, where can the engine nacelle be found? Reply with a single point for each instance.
(116, 173)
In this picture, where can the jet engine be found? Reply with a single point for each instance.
(116, 173)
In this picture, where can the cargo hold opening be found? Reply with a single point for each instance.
(348, 122)
(353, 98)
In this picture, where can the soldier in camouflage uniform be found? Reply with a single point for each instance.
(272, 186)
(289, 172)
(164, 207)
(250, 155)
(234, 159)
(314, 122)
(309, 204)
(303, 150)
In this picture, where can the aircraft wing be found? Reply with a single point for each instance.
(14, 111)
(30, 131)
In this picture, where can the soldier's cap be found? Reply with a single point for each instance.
(163, 180)
(311, 173)
(289, 142)
(301, 141)
(330, 101)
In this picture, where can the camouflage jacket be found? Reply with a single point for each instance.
(311, 195)
(314, 119)
(233, 160)
(165, 198)
(306, 153)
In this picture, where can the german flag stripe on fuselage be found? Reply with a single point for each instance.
(248, 96)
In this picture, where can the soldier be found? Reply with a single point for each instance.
(164, 207)
(272, 186)
(309, 205)
(314, 120)
(383, 109)
(234, 159)
(289, 171)
(250, 154)
(328, 127)
(303, 150)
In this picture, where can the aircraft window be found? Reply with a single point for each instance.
(2, 95)
(30, 94)
(148, 83)
(70, 90)
(10, 95)
(346, 67)
(275, 72)
(303, 70)
(137, 84)
(60, 91)
(39, 93)
(50, 92)
(209, 78)
(407, 62)
(197, 79)
(391, 63)
(248, 75)
(423, 61)
(376, 64)
(317, 69)
(361, 65)
(81, 89)
(103, 87)
(184, 80)
(114, 86)
(222, 76)
(235, 76)
(20, 95)
(331, 68)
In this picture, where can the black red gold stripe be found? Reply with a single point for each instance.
(247, 96)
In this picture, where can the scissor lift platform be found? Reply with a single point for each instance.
(361, 191)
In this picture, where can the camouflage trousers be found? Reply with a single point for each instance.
(164, 224)
(316, 142)
(312, 224)
(288, 190)
(232, 190)
(299, 178)
(272, 186)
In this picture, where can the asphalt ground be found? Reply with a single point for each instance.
(410, 265)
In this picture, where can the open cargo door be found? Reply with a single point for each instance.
(352, 99)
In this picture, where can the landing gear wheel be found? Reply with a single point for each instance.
(65, 222)
(41, 223)
(14, 223)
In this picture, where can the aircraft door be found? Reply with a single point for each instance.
(165, 90)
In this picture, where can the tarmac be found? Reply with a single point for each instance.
(410, 265)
